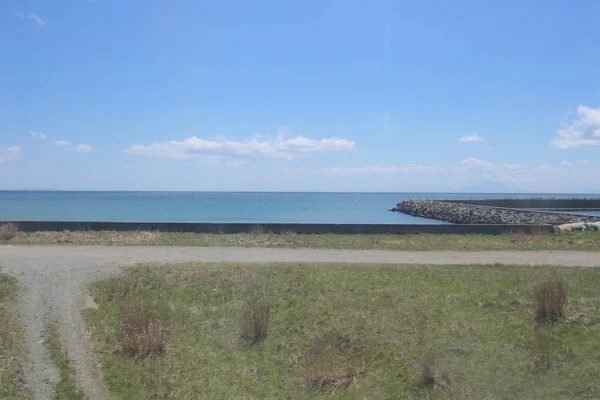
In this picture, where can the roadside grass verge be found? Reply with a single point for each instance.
(583, 241)
(11, 345)
(341, 331)
(65, 388)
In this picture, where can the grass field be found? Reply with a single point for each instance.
(11, 346)
(588, 241)
(345, 332)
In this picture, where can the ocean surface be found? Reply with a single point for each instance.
(222, 206)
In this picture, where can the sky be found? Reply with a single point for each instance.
(312, 95)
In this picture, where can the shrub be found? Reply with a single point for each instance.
(255, 320)
(142, 331)
(550, 298)
(8, 231)
(335, 360)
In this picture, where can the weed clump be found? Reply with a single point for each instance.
(8, 231)
(550, 299)
(255, 320)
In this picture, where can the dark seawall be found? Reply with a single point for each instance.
(229, 228)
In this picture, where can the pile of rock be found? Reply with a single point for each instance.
(458, 213)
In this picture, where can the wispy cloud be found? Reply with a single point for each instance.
(39, 135)
(475, 162)
(582, 131)
(512, 167)
(391, 169)
(257, 146)
(528, 177)
(566, 163)
(62, 143)
(82, 148)
(37, 19)
(32, 16)
(10, 153)
(471, 138)
(471, 164)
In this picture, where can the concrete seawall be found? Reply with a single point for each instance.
(229, 228)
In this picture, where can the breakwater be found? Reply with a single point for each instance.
(462, 213)
(546, 204)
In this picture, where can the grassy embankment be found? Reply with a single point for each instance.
(11, 345)
(584, 241)
(227, 331)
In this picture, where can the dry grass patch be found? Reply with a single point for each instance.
(142, 333)
(8, 231)
(433, 372)
(334, 361)
(255, 320)
(550, 298)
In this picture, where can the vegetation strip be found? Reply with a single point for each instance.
(65, 388)
(350, 331)
(11, 347)
(582, 241)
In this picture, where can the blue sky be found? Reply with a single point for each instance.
(300, 95)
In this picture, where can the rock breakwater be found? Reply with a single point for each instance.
(459, 213)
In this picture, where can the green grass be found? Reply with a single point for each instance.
(11, 344)
(65, 388)
(585, 241)
(371, 328)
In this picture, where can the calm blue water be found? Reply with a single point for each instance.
(219, 206)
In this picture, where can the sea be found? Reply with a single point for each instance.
(92, 206)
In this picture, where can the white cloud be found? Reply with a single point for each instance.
(258, 146)
(82, 148)
(32, 16)
(584, 161)
(566, 163)
(511, 167)
(10, 153)
(39, 135)
(62, 143)
(583, 131)
(471, 138)
(37, 19)
(474, 162)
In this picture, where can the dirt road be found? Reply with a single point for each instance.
(53, 279)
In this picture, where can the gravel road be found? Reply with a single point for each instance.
(53, 280)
